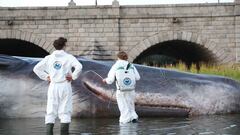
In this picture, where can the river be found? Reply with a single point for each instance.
(202, 125)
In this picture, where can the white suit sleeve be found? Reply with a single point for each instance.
(137, 76)
(41, 69)
(111, 75)
(77, 68)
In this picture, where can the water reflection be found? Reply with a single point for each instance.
(204, 125)
(128, 129)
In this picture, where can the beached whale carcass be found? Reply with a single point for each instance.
(160, 92)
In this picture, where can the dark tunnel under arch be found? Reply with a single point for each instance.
(175, 51)
(15, 47)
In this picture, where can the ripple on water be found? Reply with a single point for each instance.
(203, 125)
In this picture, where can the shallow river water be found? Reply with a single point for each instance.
(203, 125)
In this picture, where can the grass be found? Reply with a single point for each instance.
(231, 71)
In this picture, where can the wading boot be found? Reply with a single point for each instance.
(64, 128)
(134, 121)
(50, 128)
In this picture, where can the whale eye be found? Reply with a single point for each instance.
(126, 71)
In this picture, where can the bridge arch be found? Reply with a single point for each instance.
(217, 53)
(30, 40)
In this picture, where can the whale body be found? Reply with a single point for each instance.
(160, 92)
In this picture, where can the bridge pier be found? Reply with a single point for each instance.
(237, 29)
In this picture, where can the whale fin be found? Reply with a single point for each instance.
(93, 82)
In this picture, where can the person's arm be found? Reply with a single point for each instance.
(77, 68)
(137, 76)
(111, 75)
(41, 69)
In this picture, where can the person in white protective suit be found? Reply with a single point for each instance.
(125, 74)
(57, 69)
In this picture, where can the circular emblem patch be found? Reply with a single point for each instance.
(127, 81)
(57, 65)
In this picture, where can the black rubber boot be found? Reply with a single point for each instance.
(50, 128)
(134, 121)
(64, 128)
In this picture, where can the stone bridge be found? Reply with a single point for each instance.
(186, 32)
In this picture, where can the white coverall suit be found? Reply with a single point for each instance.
(59, 101)
(125, 99)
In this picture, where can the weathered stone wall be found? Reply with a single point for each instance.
(206, 23)
(102, 31)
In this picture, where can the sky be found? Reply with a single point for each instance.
(34, 3)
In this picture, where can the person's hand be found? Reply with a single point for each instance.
(49, 79)
(104, 81)
(69, 78)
